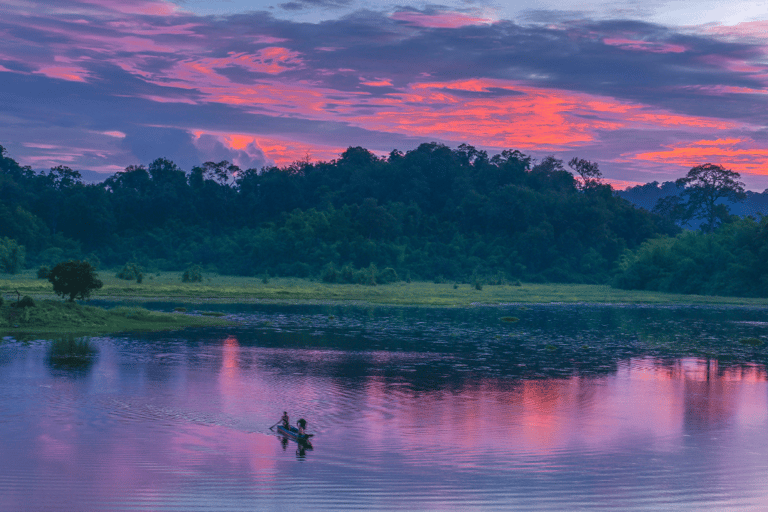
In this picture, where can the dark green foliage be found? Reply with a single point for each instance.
(130, 272)
(43, 272)
(193, 274)
(330, 274)
(386, 276)
(429, 212)
(25, 302)
(732, 260)
(11, 256)
(74, 279)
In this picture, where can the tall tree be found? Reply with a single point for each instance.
(705, 185)
(588, 171)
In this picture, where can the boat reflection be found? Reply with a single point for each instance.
(302, 446)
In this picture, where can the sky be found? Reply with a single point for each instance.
(647, 91)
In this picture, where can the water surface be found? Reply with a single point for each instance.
(570, 408)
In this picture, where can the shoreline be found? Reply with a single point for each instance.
(50, 318)
(218, 289)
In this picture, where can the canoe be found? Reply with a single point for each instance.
(293, 433)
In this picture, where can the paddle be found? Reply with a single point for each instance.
(276, 424)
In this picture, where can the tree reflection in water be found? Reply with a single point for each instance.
(71, 353)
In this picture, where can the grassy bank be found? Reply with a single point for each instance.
(57, 317)
(217, 288)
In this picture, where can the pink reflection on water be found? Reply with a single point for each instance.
(648, 401)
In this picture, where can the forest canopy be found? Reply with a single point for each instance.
(430, 213)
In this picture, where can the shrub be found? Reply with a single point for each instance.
(131, 271)
(367, 276)
(347, 274)
(76, 279)
(193, 274)
(388, 275)
(25, 302)
(42, 272)
(330, 274)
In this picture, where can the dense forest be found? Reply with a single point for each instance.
(430, 213)
(731, 260)
(726, 255)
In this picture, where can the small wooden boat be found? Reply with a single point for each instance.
(293, 433)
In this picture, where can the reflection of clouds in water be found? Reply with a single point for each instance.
(404, 412)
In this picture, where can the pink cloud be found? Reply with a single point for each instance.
(377, 82)
(644, 46)
(755, 30)
(717, 90)
(442, 19)
(142, 28)
(142, 7)
(114, 133)
(280, 151)
(71, 73)
(535, 119)
(622, 184)
(741, 155)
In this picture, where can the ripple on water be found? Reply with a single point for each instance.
(412, 410)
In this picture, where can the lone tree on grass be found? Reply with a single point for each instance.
(76, 279)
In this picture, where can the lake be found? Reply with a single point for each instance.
(545, 407)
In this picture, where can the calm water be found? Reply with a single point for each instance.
(571, 408)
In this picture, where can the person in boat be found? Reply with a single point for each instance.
(285, 420)
(302, 424)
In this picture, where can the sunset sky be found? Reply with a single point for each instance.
(646, 90)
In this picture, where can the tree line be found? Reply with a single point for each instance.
(430, 213)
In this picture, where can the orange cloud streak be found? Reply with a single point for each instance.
(735, 154)
(71, 73)
(281, 151)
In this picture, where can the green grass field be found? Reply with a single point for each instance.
(51, 317)
(218, 288)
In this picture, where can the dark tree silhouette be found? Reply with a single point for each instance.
(704, 186)
(76, 279)
(589, 172)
